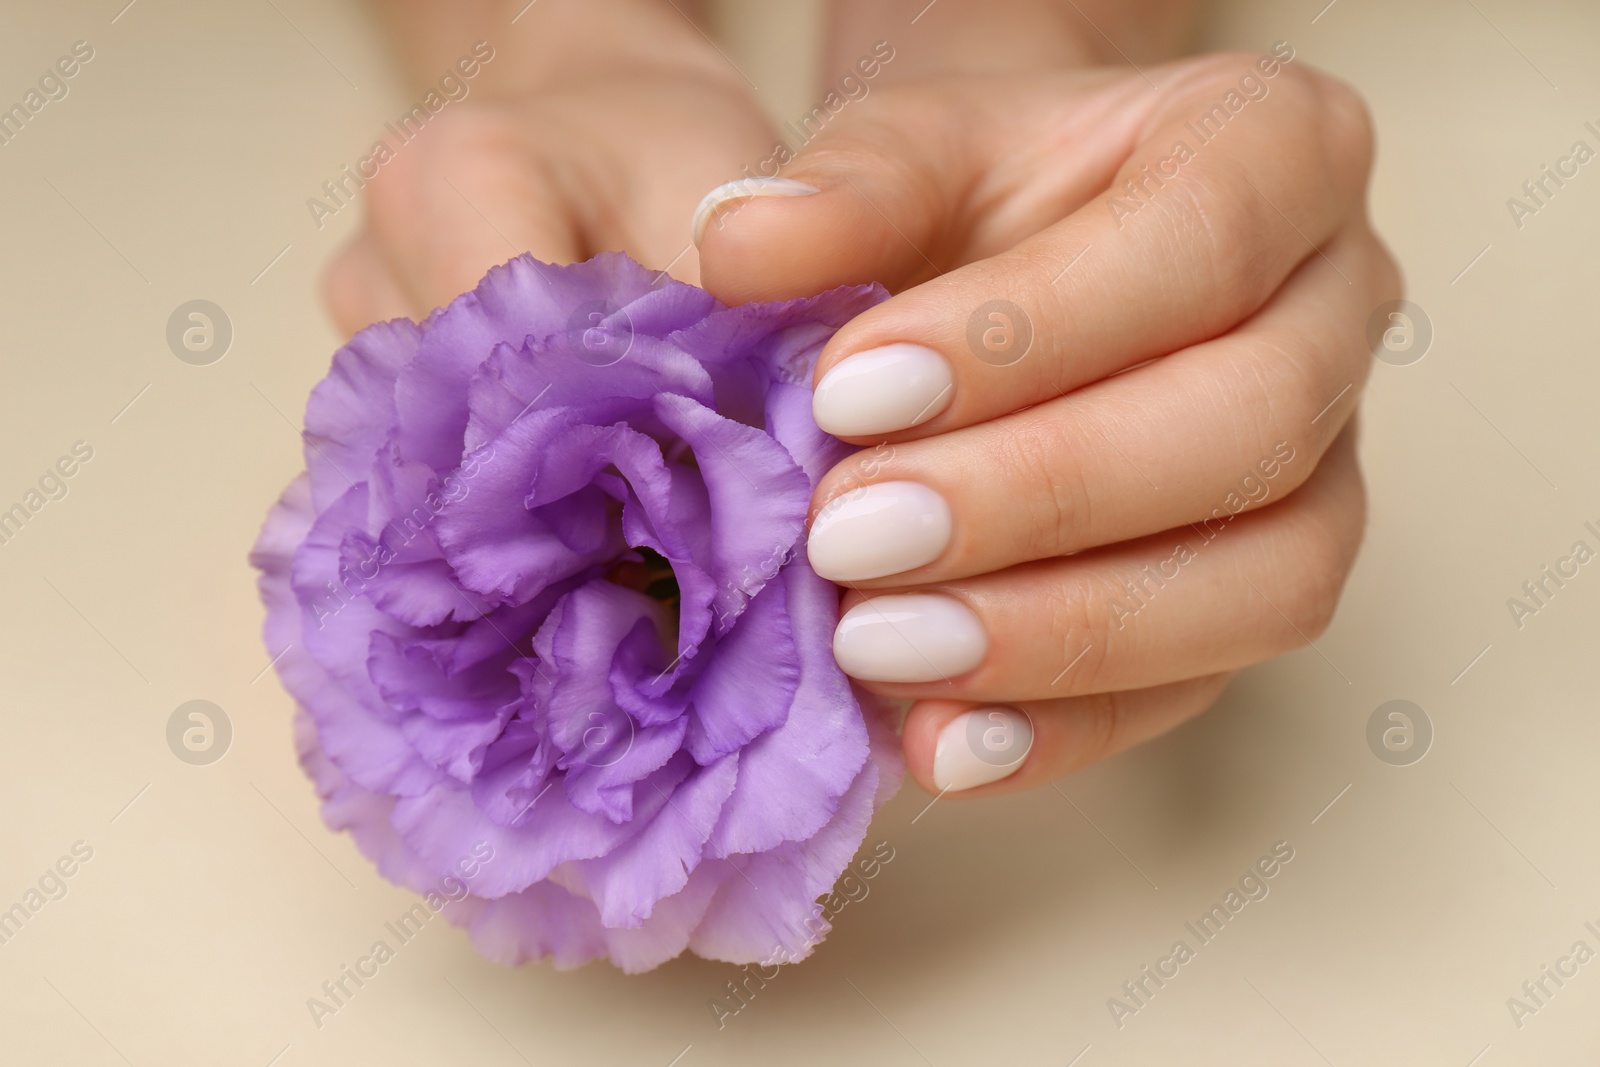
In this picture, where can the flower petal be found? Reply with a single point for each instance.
(770, 912)
(791, 778)
(628, 882)
(350, 411)
(749, 682)
(369, 749)
(757, 500)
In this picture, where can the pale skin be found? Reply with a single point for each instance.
(1190, 338)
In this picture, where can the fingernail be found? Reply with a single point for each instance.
(981, 746)
(913, 637)
(882, 390)
(738, 190)
(878, 529)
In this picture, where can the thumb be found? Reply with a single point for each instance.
(877, 198)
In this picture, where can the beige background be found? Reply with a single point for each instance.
(216, 903)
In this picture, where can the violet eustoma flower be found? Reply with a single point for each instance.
(543, 601)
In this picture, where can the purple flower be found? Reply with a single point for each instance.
(549, 620)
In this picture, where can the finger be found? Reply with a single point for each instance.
(1183, 241)
(1111, 285)
(1163, 608)
(901, 187)
(358, 288)
(979, 750)
(1224, 426)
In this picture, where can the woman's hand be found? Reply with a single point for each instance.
(1108, 416)
(596, 126)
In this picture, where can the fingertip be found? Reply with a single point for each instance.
(784, 247)
(919, 737)
(758, 248)
(966, 749)
(729, 193)
(867, 394)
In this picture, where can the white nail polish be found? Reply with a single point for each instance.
(914, 637)
(981, 746)
(881, 390)
(739, 189)
(878, 529)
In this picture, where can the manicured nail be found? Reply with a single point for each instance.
(981, 746)
(913, 637)
(878, 529)
(882, 390)
(740, 188)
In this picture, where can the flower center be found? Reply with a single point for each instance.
(651, 575)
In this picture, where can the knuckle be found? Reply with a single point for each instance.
(1313, 595)
(1316, 605)
(1388, 281)
(1214, 216)
(1080, 632)
(1332, 125)
(1345, 122)
(1320, 122)
(1289, 390)
(1055, 502)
